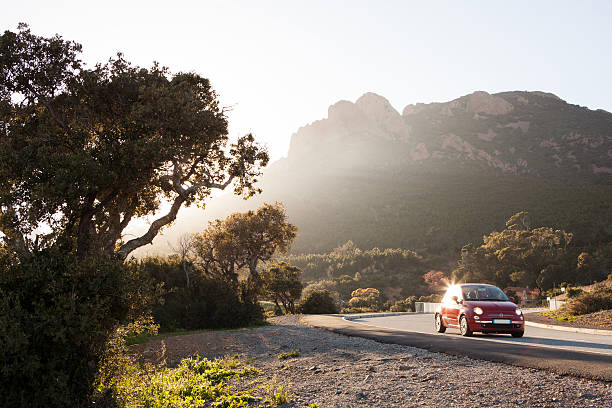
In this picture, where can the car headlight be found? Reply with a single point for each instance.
(518, 312)
(478, 310)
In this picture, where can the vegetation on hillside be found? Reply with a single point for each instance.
(348, 268)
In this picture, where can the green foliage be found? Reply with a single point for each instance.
(591, 301)
(192, 384)
(435, 206)
(292, 354)
(515, 256)
(84, 150)
(57, 316)
(282, 283)
(348, 268)
(313, 405)
(241, 241)
(572, 292)
(208, 303)
(318, 302)
(365, 300)
(403, 306)
(278, 395)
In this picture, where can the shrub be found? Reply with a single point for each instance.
(403, 306)
(318, 302)
(572, 292)
(368, 299)
(591, 302)
(56, 315)
(207, 303)
(278, 395)
(193, 383)
(292, 354)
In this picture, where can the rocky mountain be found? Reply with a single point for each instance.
(520, 133)
(438, 175)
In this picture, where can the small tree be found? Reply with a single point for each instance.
(242, 240)
(282, 283)
(366, 298)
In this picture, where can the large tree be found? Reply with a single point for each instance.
(84, 150)
(517, 255)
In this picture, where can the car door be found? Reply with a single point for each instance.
(451, 307)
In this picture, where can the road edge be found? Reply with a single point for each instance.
(569, 329)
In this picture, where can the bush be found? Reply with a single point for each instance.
(368, 298)
(572, 292)
(206, 304)
(56, 315)
(318, 302)
(405, 305)
(591, 302)
(194, 383)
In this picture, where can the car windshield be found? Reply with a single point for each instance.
(478, 292)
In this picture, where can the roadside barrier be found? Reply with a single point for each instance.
(425, 307)
(554, 304)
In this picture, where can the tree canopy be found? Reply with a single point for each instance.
(283, 283)
(517, 255)
(242, 240)
(84, 150)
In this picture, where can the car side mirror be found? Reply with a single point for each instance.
(512, 299)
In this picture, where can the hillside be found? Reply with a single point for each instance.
(438, 175)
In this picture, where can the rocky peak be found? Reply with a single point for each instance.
(344, 111)
(379, 111)
(484, 102)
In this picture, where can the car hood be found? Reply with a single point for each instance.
(491, 306)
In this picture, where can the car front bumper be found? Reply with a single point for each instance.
(487, 325)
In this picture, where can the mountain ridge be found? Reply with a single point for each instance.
(437, 176)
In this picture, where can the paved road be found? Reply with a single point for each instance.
(534, 336)
(549, 352)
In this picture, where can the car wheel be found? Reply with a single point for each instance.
(439, 325)
(517, 334)
(464, 327)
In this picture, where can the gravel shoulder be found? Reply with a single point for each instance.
(341, 371)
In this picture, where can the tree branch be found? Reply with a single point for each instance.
(154, 228)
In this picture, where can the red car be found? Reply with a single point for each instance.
(475, 307)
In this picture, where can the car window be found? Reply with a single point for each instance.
(482, 292)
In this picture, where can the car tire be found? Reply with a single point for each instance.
(517, 334)
(464, 327)
(440, 328)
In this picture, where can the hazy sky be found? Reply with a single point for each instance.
(282, 63)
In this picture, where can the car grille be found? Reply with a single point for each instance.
(500, 326)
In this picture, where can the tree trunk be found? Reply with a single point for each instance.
(186, 271)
